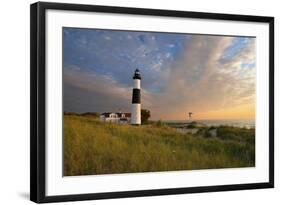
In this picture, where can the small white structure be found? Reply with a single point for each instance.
(119, 117)
(136, 99)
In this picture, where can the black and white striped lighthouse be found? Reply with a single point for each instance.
(136, 99)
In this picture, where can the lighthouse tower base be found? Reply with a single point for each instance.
(136, 114)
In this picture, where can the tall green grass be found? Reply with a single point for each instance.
(94, 147)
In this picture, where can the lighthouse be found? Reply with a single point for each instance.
(136, 99)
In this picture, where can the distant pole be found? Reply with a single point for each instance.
(190, 116)
(136, 99)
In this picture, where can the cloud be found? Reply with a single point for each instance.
(95, 92)
(180, 73)
(84, 92)
(200, 82)
(92, 51)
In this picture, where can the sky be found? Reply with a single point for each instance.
(210, 76)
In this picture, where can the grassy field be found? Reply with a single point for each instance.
(94, 147)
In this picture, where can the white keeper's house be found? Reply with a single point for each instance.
(119, 117)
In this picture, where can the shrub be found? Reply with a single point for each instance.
(145, 115)
(193, 124)
(159, 123)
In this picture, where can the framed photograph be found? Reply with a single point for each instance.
(129, 102)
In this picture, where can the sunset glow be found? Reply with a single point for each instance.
(211, 76)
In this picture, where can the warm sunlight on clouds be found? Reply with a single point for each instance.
(211, 76)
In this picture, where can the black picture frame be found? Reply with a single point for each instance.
(38, 101)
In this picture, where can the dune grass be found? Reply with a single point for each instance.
(94, 147)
